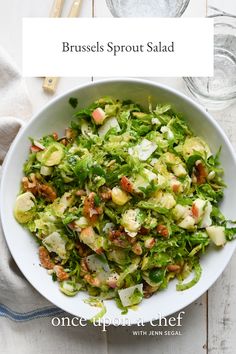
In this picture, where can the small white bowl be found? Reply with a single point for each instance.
(55, 117)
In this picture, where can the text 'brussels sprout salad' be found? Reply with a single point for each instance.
(124, 202)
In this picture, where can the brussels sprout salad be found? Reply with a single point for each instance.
(124, 202)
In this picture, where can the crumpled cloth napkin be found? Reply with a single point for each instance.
(19, 301)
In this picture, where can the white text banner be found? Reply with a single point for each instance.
(117, 47)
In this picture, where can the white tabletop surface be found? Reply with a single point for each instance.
(210, 323)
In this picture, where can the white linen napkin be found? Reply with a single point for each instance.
(14, 102)
(18, 299)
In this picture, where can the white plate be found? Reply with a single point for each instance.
(55, 117)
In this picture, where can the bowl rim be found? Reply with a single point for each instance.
(177, 93)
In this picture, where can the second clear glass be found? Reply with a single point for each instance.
(147, 8)
(219, 91)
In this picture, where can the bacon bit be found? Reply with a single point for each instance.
(64, 142)
(116, 234)
(201, 172)
(174, 268)
(162, 230)
(92, 280)
(126, 185)
(45, 259)
(195, 211)
(105, 193)
(90, 211)
(143, 231)
(60, 273)
(80, 193)
(82, 249)
(35, 148)
(137, 249)
(55, 136)
(120, 239)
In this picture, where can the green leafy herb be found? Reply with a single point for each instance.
(73, 102)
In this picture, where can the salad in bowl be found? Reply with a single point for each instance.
(122, 203)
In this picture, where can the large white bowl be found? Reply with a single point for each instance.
(55, 117)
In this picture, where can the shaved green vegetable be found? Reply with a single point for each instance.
(24, 209)
(52, 155)
(197, 276)
(96, 303)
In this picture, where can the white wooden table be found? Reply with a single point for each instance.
(209, 325)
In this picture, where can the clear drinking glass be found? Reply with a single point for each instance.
(219, 91)
(147, 8)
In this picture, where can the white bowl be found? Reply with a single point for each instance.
(55, 117)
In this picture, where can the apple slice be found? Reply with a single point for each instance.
(98, 116)
(217, 235)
